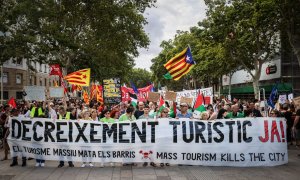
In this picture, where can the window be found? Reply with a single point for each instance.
(30, 80)
(18, 61)
(5, 77)
(18, 78)
(19, 95)
(46, 81)
(5, 95)
(41, 68)
(45, 68)
(41, 82)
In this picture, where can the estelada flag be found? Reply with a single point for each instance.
(86, 97)
(81, 77)
(55, 70)
(179, 65)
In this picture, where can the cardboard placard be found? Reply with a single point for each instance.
(189, 101)
(170, 96)
(56, 92)
(36, 93)
(153, 96)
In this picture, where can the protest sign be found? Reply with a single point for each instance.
(142, 95)
(112, 91)
(291, 97)
(170, 96)
(282, 98)
(56, 92)
(240, 142)
(189, 101)
(36, 93)
(153, 97)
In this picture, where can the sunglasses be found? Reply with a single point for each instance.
(183, 106)
(165, 112)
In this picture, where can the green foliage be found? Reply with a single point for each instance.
(140, 77)
(104, 35)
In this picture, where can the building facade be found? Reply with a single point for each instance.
(16, 75)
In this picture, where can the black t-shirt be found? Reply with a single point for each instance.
(72, 117)
(288, 116)
(256, 113)
(138, 113)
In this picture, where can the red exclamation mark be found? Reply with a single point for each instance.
(282, 131)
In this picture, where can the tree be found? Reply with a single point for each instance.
(290, 13)
(140, 77)
(254, 29)
(104, 35)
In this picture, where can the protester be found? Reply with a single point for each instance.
(94, 115)
(4, 120)
(15, 113)
(287, 114)
(296, 127)
(235, 112)
(146, 113)
(115, 115)
(64, 115)
(222, 114)
(139, 111)
(255, 112)
(183, 113)
(86, 116)
(128, 116)
(204, 115)
(107, 118)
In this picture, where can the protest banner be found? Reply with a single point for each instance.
(290, 97)
(170, 96)
(56, 92)
(240, 142)
(189, 101)
(153, 97)
(206, 92)
(142, 95)
(112, 91)
(36, 93)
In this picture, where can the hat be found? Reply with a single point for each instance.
(183, 104)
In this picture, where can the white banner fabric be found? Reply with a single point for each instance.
(239, 142)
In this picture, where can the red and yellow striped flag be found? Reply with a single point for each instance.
(179, 65)
(81, 77)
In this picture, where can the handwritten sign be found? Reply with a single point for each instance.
(112, 91)
(153, 96)
(171, 96)
(56, 92)
(36, 93)
(189, 101)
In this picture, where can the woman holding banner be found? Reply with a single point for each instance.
(86, 115)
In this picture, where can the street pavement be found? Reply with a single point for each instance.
(290, 171)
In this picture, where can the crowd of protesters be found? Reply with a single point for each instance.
(60, 109)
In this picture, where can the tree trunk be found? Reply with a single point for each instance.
(256, 77)
(229, 86)
(295, 44)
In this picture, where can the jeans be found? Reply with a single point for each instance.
(40, 161)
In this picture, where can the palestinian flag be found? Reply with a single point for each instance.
(133, 99)
(161, 104)
(199, 106)
(173, 110)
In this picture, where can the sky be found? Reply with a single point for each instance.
(163, 22)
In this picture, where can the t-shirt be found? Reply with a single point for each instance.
(124, 117)
(187, 115)
(138, 113)
(256, 113)
(288, 116)
(230, 115)
(143, 117)
(107, 120)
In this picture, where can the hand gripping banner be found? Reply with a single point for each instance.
(240, 142)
